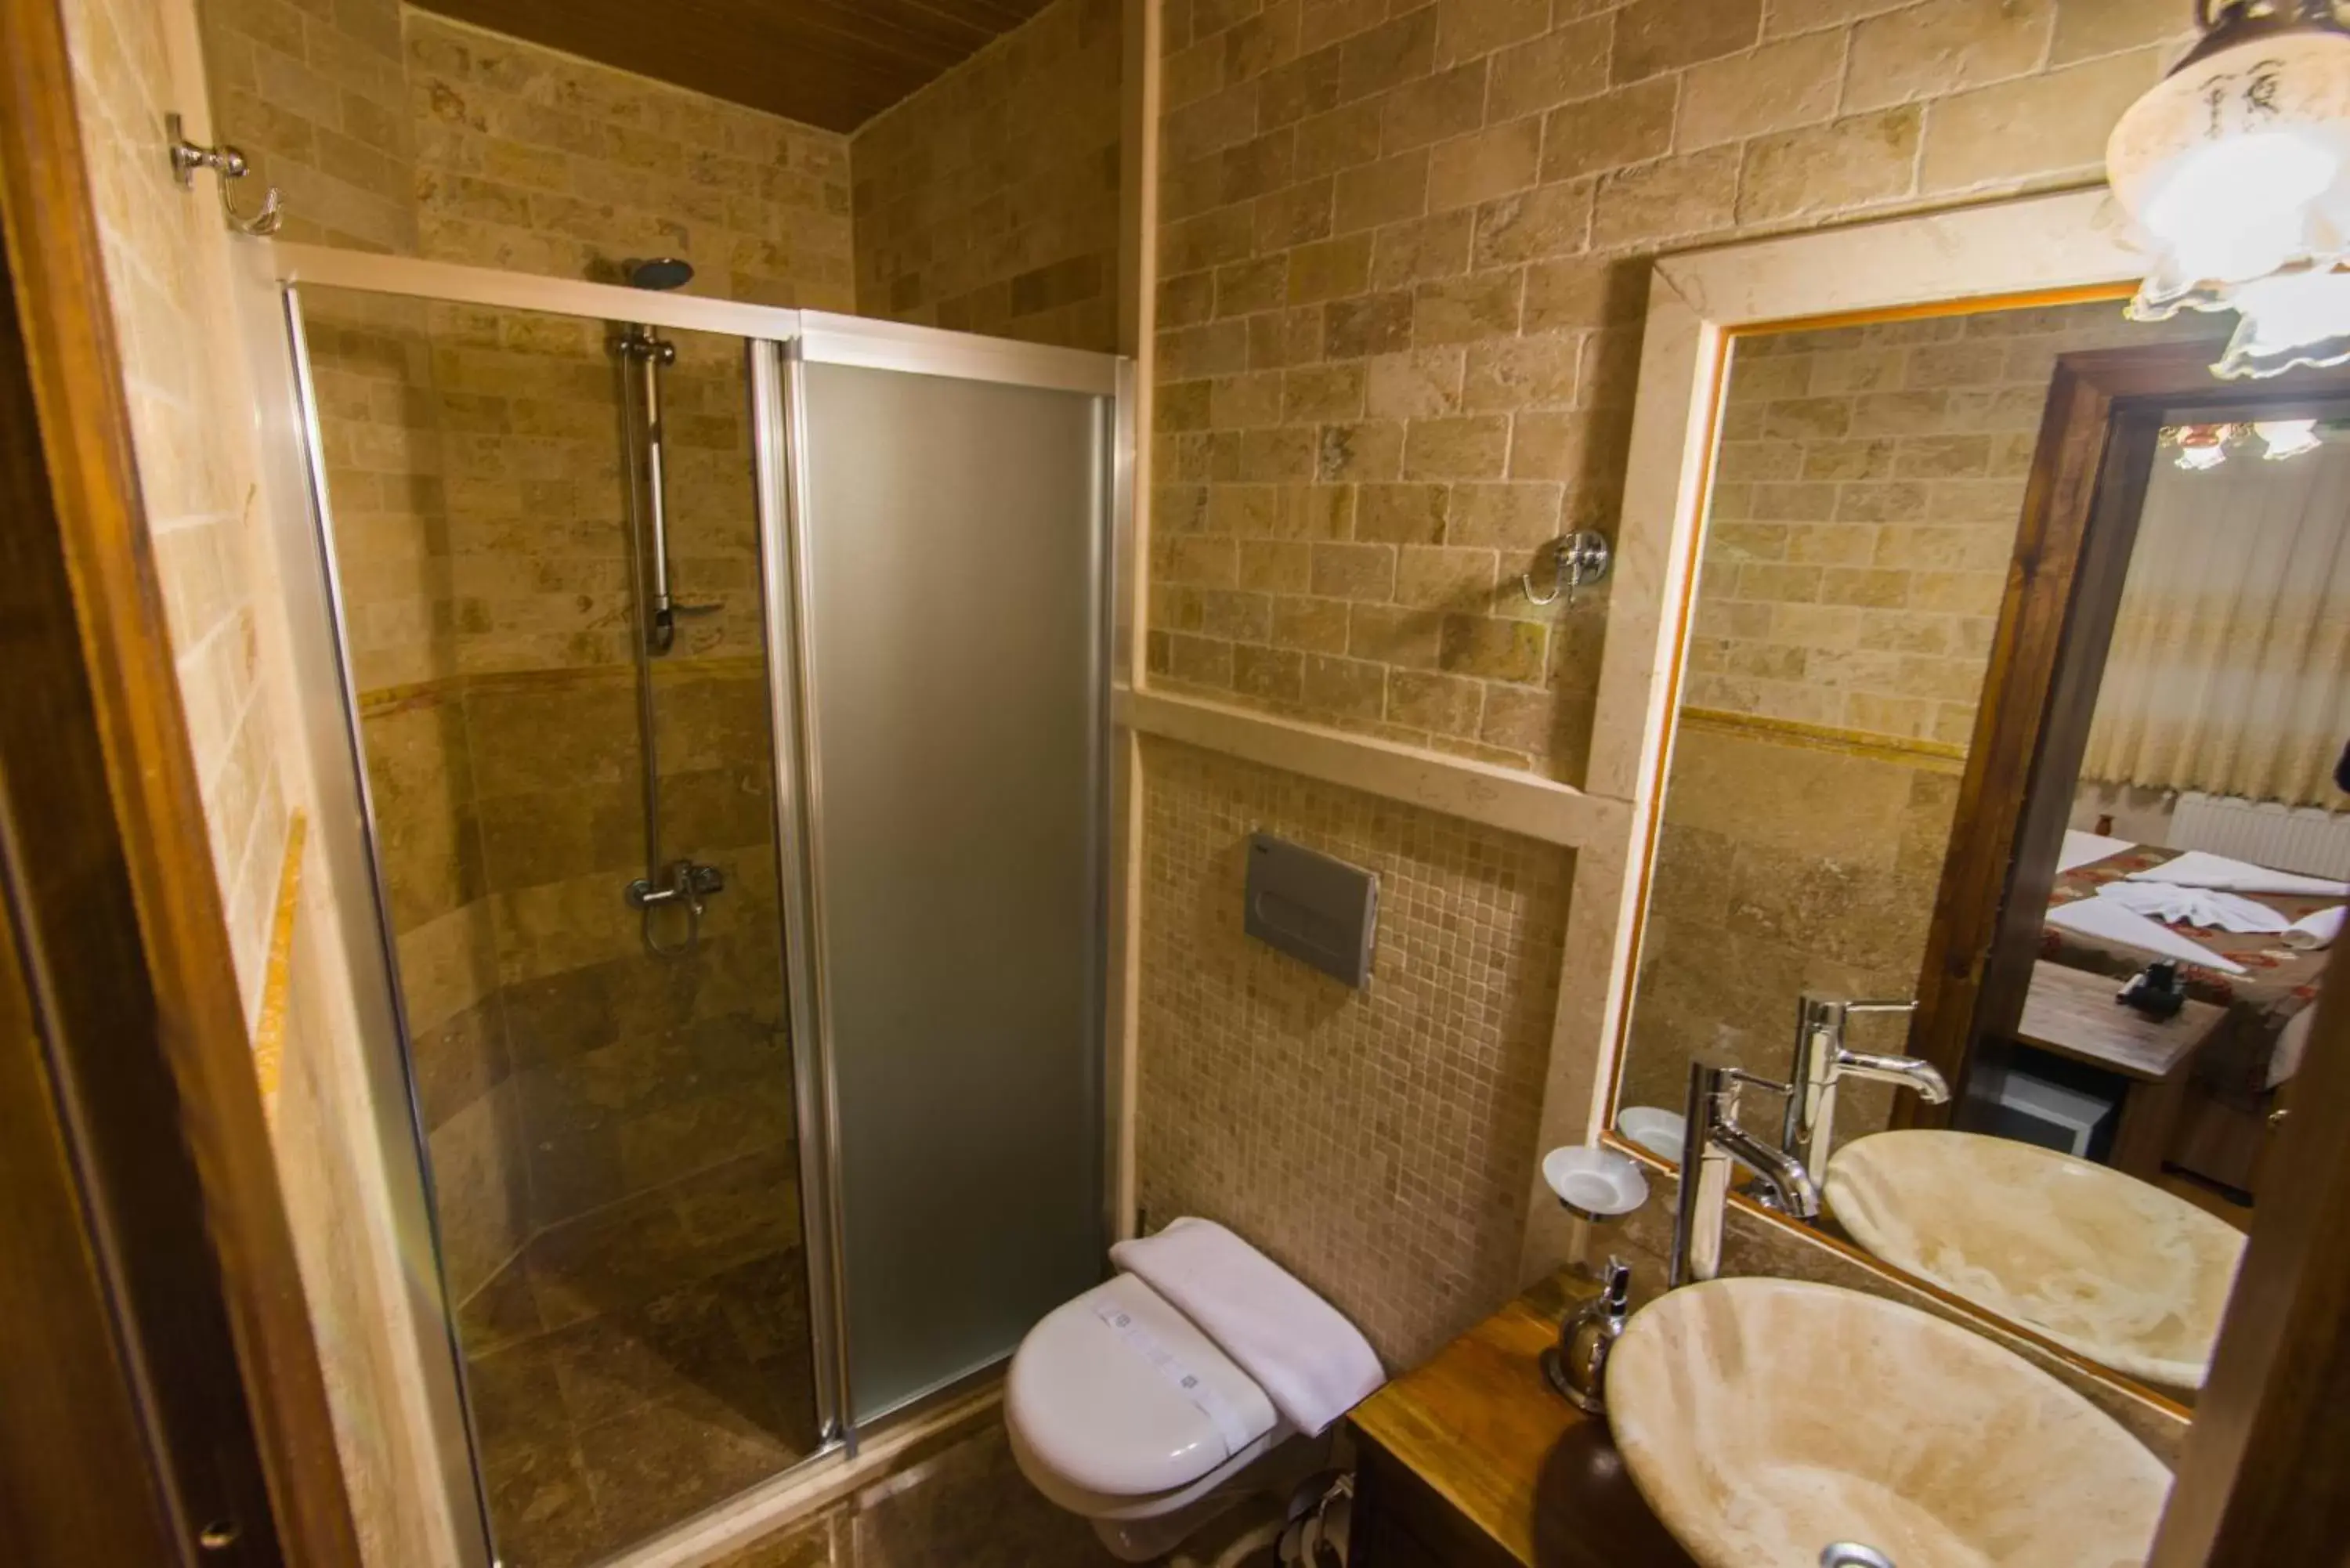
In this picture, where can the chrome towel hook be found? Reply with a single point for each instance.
(1575, 560)
(228, 163)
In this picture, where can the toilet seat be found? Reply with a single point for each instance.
(1119, 1407)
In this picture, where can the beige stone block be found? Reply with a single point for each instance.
(1269, 674)
(1541, 74)
(1943, 457)
(1354, 687)
(1415, 385)
(1778, 584)
(1389, 55)
(1436, 109)
(1202, 561)
(1816, 625)
(1360, 450)
(1592, 136)
(1237, 401)
(1468, 28)
(1584, 293)
(1359, 572)
(2087, 28)
(1745, 461)
(1867, 587)
(1243, 287)
(1832, 544)
(1831, 168)
(1199, 660)
(1448, 704)
(1975, 594)
(1469, 446)
(1492, 648)
(1284, 337)
(1431, 247)
(1392, 634)
(1972, 139)
(1507, 516)
(1310, 624)
(1278, 454)
(1344, 137)
(1775, 88)
(1900, 413)
(1889, 501)
(1293, 216)
(1370, 324)
(1275, 565)
(1235, 616)
(1322, 392)
(1657, 36)
(1727, 544)
(1331, 269)
(1401, 514)
(1451, 577)
(1874, 713)
(1672, 198)
(1942, 46)
(1548, 221)
(1530, 372)
(1458, 310)
(1486, 164)
(1773, 502)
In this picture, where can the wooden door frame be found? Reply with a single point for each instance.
(2047, 660)
(118, 933)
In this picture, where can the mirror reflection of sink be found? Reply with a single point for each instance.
(2107, 1266)
(1763, 1420)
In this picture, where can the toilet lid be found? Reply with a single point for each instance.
(1119, 1394)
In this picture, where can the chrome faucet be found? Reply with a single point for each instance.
(1711, 1142)
(1822, 1062)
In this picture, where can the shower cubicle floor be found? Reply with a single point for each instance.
(638, 1365)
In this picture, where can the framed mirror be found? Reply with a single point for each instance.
(1992, 824)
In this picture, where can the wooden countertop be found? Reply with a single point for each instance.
(1482, 1428)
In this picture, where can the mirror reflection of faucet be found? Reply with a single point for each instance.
(1822, 1062)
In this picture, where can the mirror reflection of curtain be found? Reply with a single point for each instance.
(2230, 669)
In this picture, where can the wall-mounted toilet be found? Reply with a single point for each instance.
(1125, 1408)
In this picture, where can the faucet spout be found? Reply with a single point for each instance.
(1792, 1192)
(1905, 1071)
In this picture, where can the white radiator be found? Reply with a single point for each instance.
(2296, 838)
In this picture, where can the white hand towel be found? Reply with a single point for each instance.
(2194, 905)
(2311, 932)
(2081, 848)
(2199, 868)
(2107, 921)
(1310, 1361)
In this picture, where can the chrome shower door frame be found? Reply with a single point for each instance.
(779, 419)
(778, 343)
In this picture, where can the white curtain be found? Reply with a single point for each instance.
(2229, 670)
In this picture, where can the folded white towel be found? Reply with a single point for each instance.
(2199, 868)
(2311, 932)
(1310, 1361)
(2202, 907)
(2081, 848)
(2107, 921)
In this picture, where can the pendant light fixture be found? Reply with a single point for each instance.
(2236, 170)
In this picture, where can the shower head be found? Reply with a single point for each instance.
(659, 273)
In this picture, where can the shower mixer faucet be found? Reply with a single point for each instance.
(689, 882)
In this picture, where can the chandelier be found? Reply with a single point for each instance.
(2236, 171)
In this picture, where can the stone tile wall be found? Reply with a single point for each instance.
(988, 202)
(544, 163)
(1378, 1143)
(1865, 503)
(1403, 254)
(168, 277)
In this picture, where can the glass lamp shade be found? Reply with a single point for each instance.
(2236, 171)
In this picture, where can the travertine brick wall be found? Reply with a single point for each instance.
(537, 161)
(988, 202)
(1404, 251)
(1378, 1143)
(1864, 508)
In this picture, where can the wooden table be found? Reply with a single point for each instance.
(1472, 1459)
(2072, 1013)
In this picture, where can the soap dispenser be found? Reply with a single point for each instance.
(1577, 1365)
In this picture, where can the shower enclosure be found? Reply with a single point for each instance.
(725, 691)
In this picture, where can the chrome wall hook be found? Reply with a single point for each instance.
(1574, 559)
(228, 163)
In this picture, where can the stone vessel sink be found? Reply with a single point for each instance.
(1763, 1420)
(2107, 1265)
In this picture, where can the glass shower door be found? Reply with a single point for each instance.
(949, 547)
